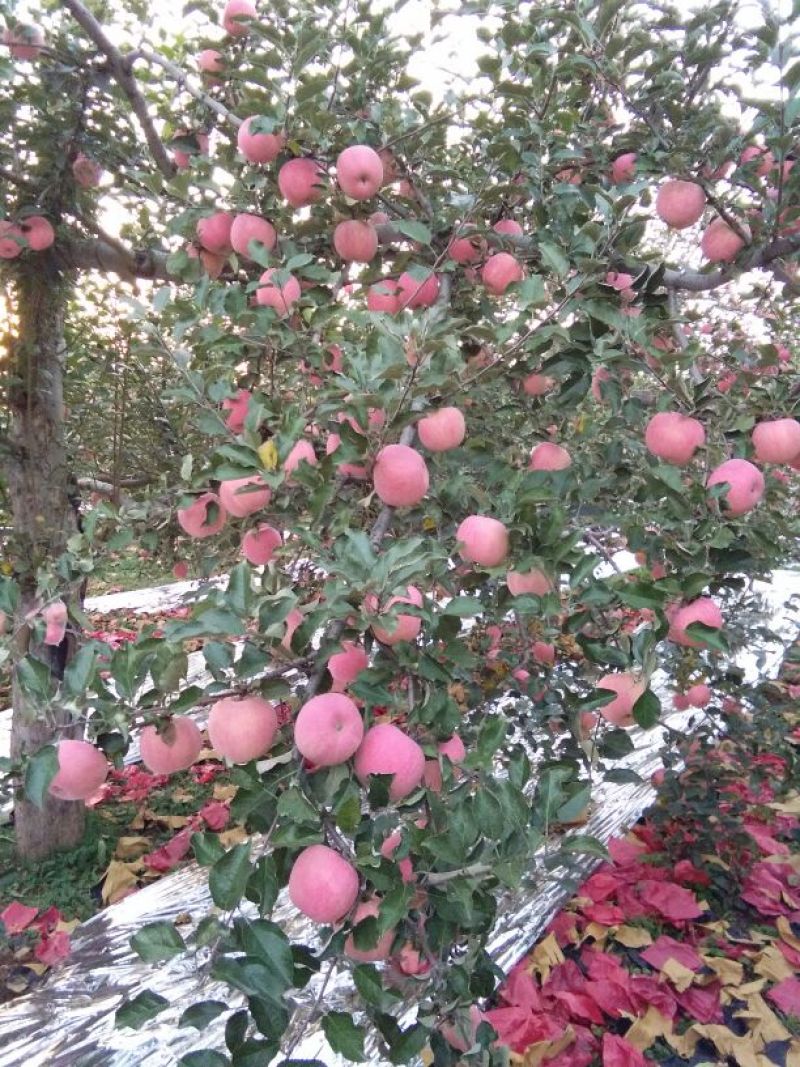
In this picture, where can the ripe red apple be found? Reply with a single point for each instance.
(509, 227)
(235, 17)
(746, 484)
(388, 849)
(382, 949)
(204, 517)
(175, 749)
(699, 695)
(384, 296)
(680, 204)
(386, 749)
(281, 296)
(55, 616)
(623, 169)
(258, 546)
(483, 540)
(237, 406)
(405, 627)
(258, 147)
(210, 61)
(628, 690)
(322, 884)
(82, 769)
(674, 437)
(180, 570)
(412, 293)
(301, 182)
(12, 240)
(453, 748)
(400, 476)
(704, 610)
(533, 583)
(214, 232)
(302, 451)
(442, 430)
(24, 41)
(247, 228)
(242, 728)
(466, 247)
(347, 665)
(500, 271)
(777, 440)
(359, 171)
(549, 457)
(537, 384)
(87, 172)
(753, 152)
(328, 729)
(38, 232)
(657, 778)
(355, 241)
(240, 499)
(719, 243)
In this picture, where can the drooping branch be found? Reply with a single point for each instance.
(698, 282)
(126, 81)
(182, 80)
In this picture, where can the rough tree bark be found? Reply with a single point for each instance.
(43, 520)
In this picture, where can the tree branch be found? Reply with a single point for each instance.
(181, 78)
(126, 82)
(113, 259)
(697, 282)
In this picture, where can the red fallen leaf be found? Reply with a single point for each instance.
(52, 948)
(646, 991)
(17, 917)
(605, 914)
(205, 772)
(519, 1028)
(764, 839)
(791, 955)
(617, 1052)
(786, 996)
(216, 814)
(702, 1004)
(48, 920)
(671, 901)
(165, 858)
(603, 967)
(521, 990)
(624, 851)
(566, 977)
(611, 998)
(581, 1053)
(600, 886)
(630, 904)
(685, 871)
(666, 948)
(563, 927)
(581, 1006)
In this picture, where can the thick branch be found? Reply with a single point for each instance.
(126, 82)
(112, 259)
(697, 282)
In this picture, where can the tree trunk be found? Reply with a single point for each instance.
(44, 518)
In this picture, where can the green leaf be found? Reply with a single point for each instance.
(417, 231)
(615, 744)
(40, 771)
(343, 1035)
(710, 636)
(157, 941)
(368, 982)
(464, 607)
(207, 849)
(647, 710)
(200, 1015)
(584, 843)
(227, 879)
(553, 257)
(78, 671)
(204, 1057)
(140, 1009)
(265, 941)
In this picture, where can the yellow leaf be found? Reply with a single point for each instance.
(131, 847)
(544, 957)
(224, 791)
(765, 1023)
(268, 454)
(772, 964)
(680, 976)
(633, 937)
(535, 1054)
(118, 880)
(648, 1029)
(729, 972)
(746, 1050)
(598, 933)
(234, 836)
(785, 931)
